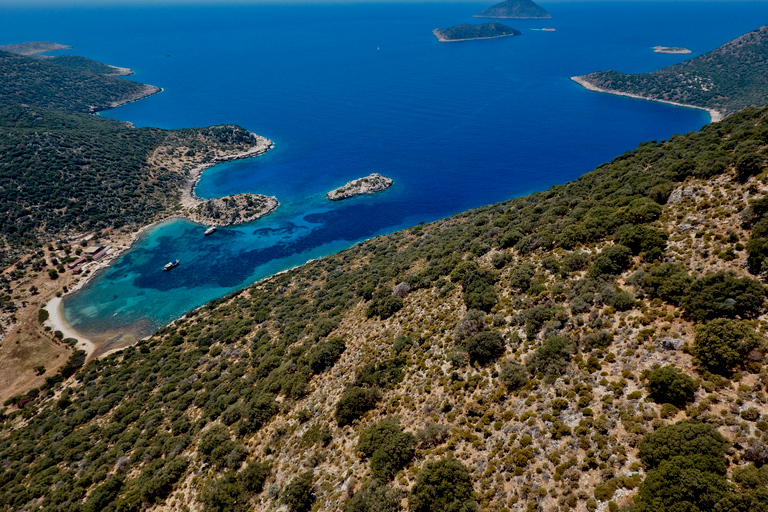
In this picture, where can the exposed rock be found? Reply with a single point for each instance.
(368, 185)
(230, 210)
(669, 343)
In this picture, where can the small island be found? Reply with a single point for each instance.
(232, 210)
(467, 32)
(368, 185)
(515, 9)
(675, 50)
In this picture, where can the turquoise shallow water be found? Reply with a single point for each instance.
(345, 90)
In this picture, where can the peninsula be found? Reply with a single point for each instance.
(33, 48)
(368, 185)
(674, 50)
(705, 82)
(515, 9)
(467, 32)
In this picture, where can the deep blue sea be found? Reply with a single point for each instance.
(348, 89)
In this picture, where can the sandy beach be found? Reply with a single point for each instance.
(714, 115)
(57, 323)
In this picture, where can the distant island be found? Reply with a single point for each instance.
(33, 48)
(676, 50)
(467, 32)
(368, 185)
(705, 82)
(515, 9)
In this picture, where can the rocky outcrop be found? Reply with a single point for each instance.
(368, 185)
(230, 210)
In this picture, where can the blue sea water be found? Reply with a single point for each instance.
(348, 89)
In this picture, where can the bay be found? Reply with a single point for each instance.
(348, 89)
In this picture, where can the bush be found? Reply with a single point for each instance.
(471, 323)
(513, 375)
(485, 347)
(225, 494)
(375, 497)
(612, 261)
(299, 494)
(354, 402)
(520, 277)
(576, 261)
(552, 357)
(685, 438)
(478, 290)
(253, 477)
(601, 339)
(622, 301)
(682, 484)
(388, 447)
(641, 238)
(668, 281)
(324, 355)
(103, 495)
(384, 307)
(442, 486)
(722, 344)
(42, 315)
(723, 294)
(667, 385)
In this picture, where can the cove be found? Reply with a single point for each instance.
(346, 90)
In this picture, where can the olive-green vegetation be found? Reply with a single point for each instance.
(63, 172)
(515, 9)
(668, 385)
(467, 31)
(728, 79)
(723, 345)
(560, 340)
(44, 83)
(83, 64)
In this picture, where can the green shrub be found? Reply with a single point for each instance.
(641, 238)
(622, 301)
(612, 261)
(388, 447)
(576, 261)
(600, 339)
(520, 277)
(755, 500)
(103, 495)
(442, 486)
(668, 385)
(552, 357)
(723, 294)
(42, 315)
(685, 438)
(485, 346)
(384, 307)
(354, 402)
(253, 477)
(682, 483)
(668, 281)
(299, 494)
(722, 344)
(375, 497)
(325, 354)
(513, 375)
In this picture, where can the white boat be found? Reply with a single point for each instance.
(210, 230)
(171, 264)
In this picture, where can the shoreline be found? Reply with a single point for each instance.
(122, 243)
(714, 115)
(57, 322)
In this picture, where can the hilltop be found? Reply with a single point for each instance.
(540, 353)
(515, 9)
(724, 80)
(468, 32)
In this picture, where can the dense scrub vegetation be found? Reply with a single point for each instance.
(63, 172)
(706, 81)
(515, 373)
(467, 31)
(71, 86)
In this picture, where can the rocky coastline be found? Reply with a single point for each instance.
(367, 185)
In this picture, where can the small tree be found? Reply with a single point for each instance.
(722, 344)
(723, 295)
(513, 375)
(486, 346)
(668, 385)
(354, 402)
(442, 486)
(388, 447)
(299, 494)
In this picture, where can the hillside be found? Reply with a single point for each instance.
(515, 9)
(536, 354)
(725, 80)
(66, 173)
(466, 32)
(43, 83)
